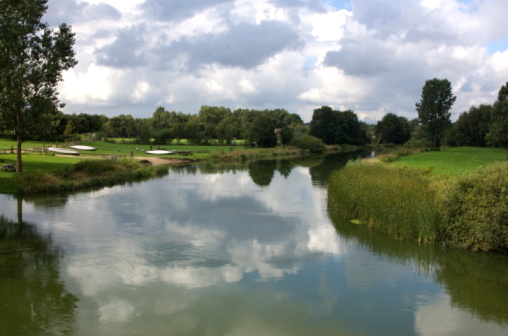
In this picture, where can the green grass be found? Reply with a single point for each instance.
(452, 161)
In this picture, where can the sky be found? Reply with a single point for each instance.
(370, 56)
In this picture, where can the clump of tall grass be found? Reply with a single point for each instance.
(86, 174)
(475, 210)
(395, 201)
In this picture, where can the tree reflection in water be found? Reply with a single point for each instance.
(34, 301)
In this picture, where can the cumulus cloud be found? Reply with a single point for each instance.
(369, 56)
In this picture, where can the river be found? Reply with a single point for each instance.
(231, 250)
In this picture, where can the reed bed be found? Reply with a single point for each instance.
(395, 201)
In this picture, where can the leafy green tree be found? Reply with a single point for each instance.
(262, 132)
(282, 118)
(32, 59)
(246, 118)
(122, 126)
(178, 131)
(228, 129)
(286, 135)
(161, 119)
(392, 129)
(349, 129)
(210, 117)
(324, 125)
(336, 127)
(143, 130)
(499, 120)
(434, 109)
(193, 132)
(471, 127)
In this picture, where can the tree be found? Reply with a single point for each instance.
(161, 119)
(262, 132)
(286, 135)
(471, 127)
(348, 129)
(324, 125)
(392, 129)
(434, 109)
(499, 119)
(337, 127)
(32, 59)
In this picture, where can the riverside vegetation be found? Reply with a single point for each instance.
(48, 173)
(85, 174)
(465, 208)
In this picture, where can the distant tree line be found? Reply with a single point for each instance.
(483, 125)
(211, 124)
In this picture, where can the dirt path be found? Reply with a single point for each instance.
(157, 161)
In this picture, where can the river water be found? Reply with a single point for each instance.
(231, 250)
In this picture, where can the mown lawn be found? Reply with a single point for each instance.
(453, 161)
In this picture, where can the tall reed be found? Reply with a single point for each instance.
(396, 201)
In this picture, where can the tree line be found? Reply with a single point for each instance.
(480, 126)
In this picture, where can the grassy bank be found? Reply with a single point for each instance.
(35, 160)
(429, 197)
(85, 174)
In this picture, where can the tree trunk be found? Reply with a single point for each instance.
(19, 162)
(19, 140)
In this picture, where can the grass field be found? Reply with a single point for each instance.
(453, 161)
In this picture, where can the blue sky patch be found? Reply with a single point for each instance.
(339, 4)
(495, 46)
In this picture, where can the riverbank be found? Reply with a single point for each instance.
(37, 160)
(462, 205)
(84, 175)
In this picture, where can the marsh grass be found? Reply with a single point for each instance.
(85, 174)
(395, 201)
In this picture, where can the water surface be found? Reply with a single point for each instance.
(231, 250)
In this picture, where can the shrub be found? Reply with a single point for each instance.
(310, 143)
(475, 210)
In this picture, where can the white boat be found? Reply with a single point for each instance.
(85, 148)
(160, 152)
(65, 151)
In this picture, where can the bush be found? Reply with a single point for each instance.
(475, 210)
(310, 143)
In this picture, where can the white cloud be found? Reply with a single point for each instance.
(369, 57)
(440, 317)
